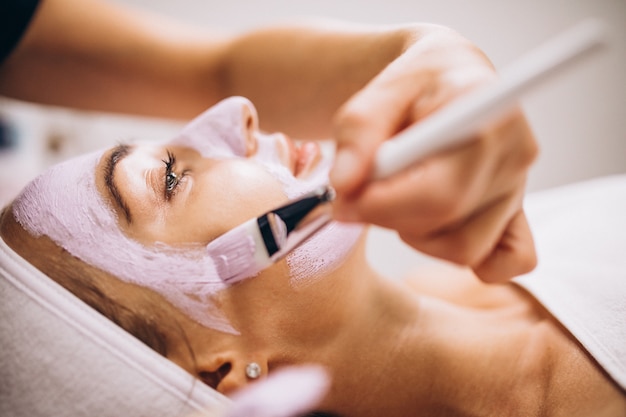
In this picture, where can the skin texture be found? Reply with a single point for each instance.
(392, 348)
(161, 215)
(441, 344)
(358, 85)
(464, 205)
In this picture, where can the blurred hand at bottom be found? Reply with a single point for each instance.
(287, 393)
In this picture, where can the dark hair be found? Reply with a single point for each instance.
(146, 320)
(143, 320)
(143, 328)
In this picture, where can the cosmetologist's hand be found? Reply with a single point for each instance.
(462, 205)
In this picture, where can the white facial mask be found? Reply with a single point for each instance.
(218, 133)
(223, 137)
(65, 205)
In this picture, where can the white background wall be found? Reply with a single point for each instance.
(579, 119)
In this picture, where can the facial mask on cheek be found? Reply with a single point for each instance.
(267, 155)
(323, 253)
(328, 248)
(64, 204)
(217, 133)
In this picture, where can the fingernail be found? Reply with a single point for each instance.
(346, 162)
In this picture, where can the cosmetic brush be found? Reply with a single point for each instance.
(247, 249)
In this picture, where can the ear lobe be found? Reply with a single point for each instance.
(227, 372)
(237, 378)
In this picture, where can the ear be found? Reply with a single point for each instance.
(226, 371)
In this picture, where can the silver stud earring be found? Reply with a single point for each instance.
(253, 370)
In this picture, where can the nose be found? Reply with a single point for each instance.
(250, 126)
(229, 128)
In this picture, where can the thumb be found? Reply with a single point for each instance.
(361, 125)
(356, 145)
(513, 255)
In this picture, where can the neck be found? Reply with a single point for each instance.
(482, 363)
(396, 352)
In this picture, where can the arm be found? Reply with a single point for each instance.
(99, 56)
(95, 55)
(299, 76)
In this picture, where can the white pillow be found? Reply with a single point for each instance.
(59, 357)
(580, 235)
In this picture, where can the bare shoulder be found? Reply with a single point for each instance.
(578, 380)
(575, 384)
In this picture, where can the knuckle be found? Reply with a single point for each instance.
(463, 253)
(349, 119)
(449, 207)
(525, 144)
(490, 275)
(530, 151)
(527, 260)
(456, 248)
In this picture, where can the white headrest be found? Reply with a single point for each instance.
(580, 234)
(59, 357)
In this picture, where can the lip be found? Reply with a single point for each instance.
(299, 158)
(309, 154)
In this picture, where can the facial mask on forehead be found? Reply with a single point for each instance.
(64, 204)
(326, 250)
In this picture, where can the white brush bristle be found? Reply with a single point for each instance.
(239, 253)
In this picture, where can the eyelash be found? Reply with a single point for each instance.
(171, 178)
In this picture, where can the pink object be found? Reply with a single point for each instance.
(286, 393)
(64, 204)
(322, 253)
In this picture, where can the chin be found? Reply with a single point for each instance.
(323, 253)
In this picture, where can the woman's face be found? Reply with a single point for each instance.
(220, 172)
(144, 213)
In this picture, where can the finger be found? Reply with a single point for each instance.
(451, 185)
(368, 119)
(379, 112)
(513, 255)
(438, 191)
(470, 242)
(395, 99)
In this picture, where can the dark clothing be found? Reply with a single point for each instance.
(15, 15)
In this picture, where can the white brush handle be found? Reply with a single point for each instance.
(459, 121)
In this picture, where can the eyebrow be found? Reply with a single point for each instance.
(119, 153)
